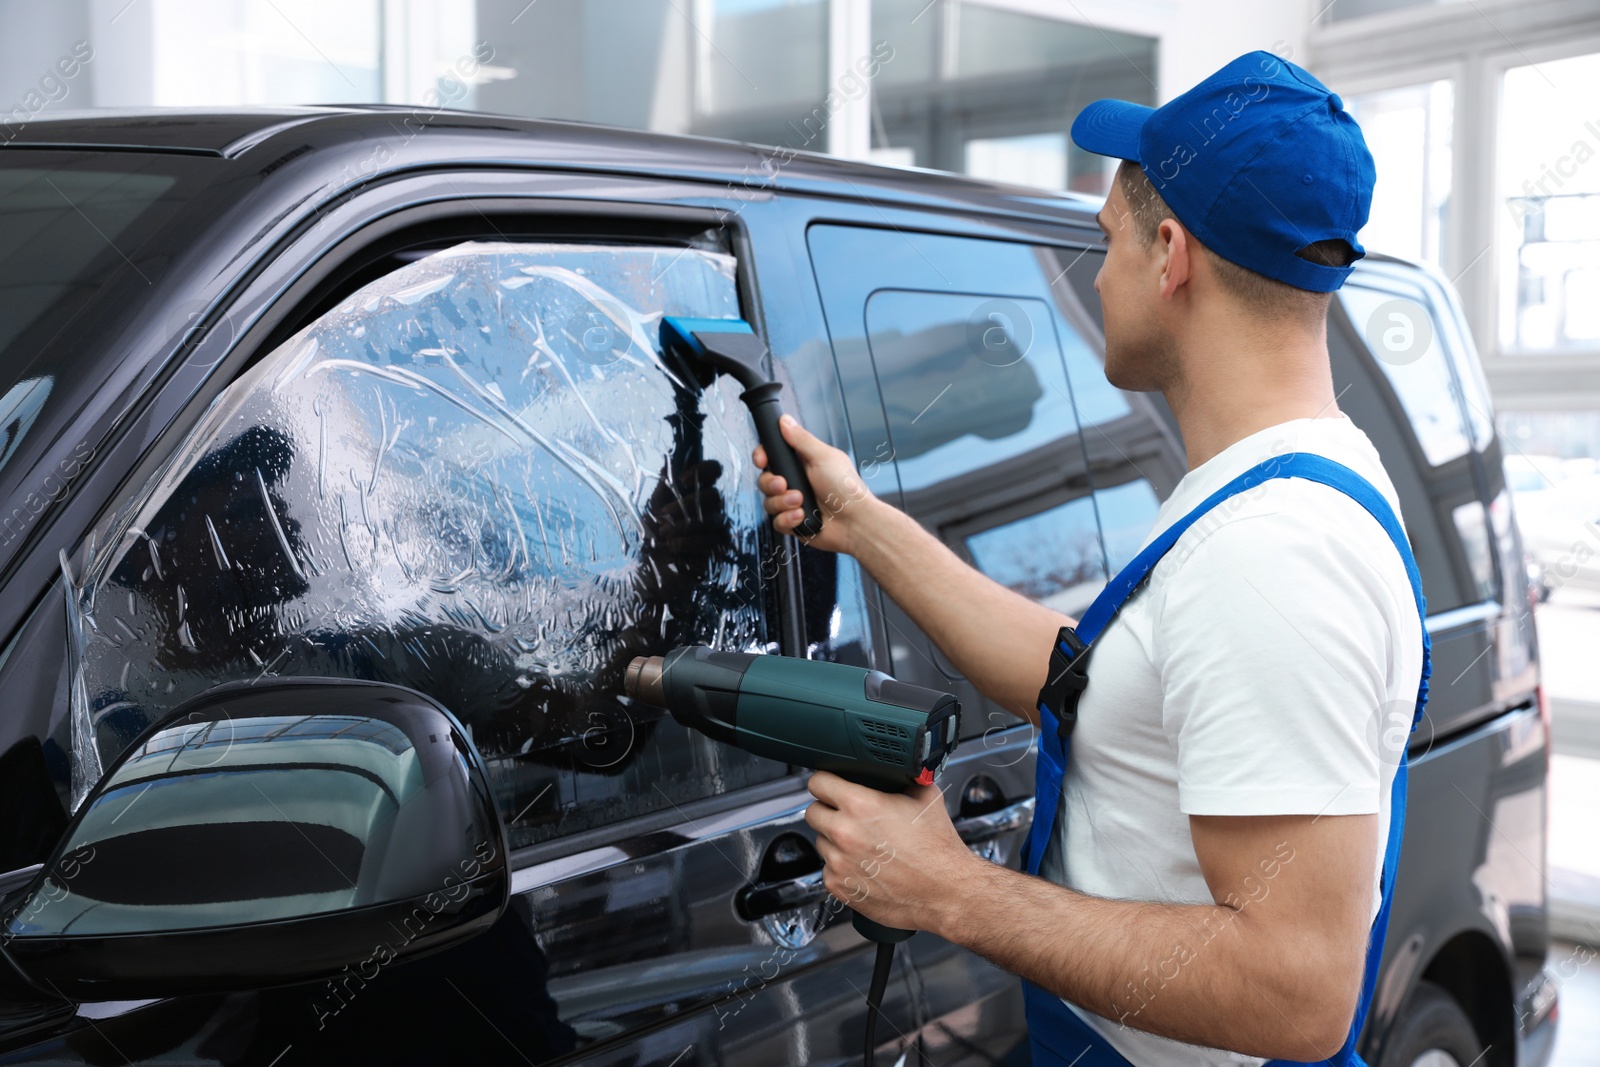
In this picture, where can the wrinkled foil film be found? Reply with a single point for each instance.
(475, 477)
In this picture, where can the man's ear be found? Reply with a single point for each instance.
(1176, 256)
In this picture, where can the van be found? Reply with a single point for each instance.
(373, 397)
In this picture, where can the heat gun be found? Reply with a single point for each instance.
(859, 724)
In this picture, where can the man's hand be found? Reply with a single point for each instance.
(892, 857)
(840, 492)
(995, 636)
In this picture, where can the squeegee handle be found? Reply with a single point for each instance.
(762, 400)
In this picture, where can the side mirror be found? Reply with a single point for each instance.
(268, 833)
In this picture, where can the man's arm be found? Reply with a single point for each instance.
(1272, 969)
(999, 639)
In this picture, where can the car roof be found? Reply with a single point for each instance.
(262, 132)
(205, 131)
(343, 131)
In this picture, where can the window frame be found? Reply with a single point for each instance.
(1456, 73)
(1492, 72)
(286, 288)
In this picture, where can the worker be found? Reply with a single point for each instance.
(1207, 869)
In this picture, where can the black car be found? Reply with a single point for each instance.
(369, 394)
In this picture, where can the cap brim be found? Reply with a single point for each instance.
(1111, 128)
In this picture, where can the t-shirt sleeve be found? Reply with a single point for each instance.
(1274, 650)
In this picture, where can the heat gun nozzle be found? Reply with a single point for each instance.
(642, 680)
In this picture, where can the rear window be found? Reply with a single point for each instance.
(1393, 377)
(1402, 333)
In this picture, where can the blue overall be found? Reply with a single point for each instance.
(1058, 1036)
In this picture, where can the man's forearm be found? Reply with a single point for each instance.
(999, 639)
(1193, 972)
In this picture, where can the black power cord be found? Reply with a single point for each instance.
(880, 981)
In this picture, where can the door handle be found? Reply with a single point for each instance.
(760, 899)
(976, 829)
(768, 898)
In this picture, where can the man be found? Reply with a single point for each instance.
(1213, 876)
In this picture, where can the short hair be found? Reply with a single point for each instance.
(1264, 295)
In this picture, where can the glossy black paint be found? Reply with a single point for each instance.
(236, 873)
(625, 944)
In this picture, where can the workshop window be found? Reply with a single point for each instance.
(472, 477)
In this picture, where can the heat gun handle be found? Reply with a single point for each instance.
(873, 931)
(782, 460)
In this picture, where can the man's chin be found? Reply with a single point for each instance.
(1131, 371)
(1118, 371)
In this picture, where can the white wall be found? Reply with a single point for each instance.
(1197, 36)
(1202, 35)
(33, 36)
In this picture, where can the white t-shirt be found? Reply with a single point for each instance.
(1268, 666)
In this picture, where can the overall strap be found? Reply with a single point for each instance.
(1047, 1016)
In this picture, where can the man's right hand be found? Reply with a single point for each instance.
(995, 636)
(842, 496)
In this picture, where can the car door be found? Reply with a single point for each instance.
(473, 476)
(954, 353)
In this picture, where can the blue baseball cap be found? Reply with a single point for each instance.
(1257, 161)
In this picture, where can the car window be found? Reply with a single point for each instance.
(977, 401)
(1463, 354)
(986, 381)
(968, 382)
(970, 366)
(1391, 377)
(74, 226)
(1100, 404)
(1052, 556)
(952, 352)
(1135, 460)
(1472, 526)
(1403, 335)
(1127, 518)
(473, 477)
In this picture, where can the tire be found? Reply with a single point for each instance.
(1432, 1031)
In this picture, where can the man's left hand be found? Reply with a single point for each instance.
(894, 857)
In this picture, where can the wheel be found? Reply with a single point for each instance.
(1432, 1031)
